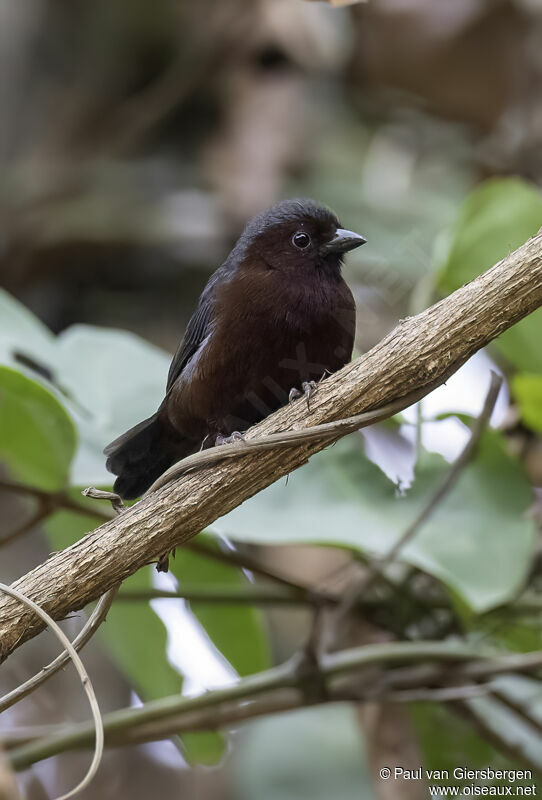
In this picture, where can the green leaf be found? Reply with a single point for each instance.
(238, 632)
(496, 218)
(478, 541)
(204, 747)
(527, 389)
(37, 437)
(136, 640)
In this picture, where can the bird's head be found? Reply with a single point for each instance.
(296, 237)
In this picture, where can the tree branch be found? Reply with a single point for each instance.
(452, 667)
(284, 676)
(420, 354)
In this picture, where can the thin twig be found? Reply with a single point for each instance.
(22, 488)
(517, 662)
(204, 719)
(447, 694)
(54, 499)
(458, 466)
(229, 595)
(91, 626)
(85, 681)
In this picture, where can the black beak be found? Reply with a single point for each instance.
(342, 242)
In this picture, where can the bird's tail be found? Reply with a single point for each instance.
(142, 454)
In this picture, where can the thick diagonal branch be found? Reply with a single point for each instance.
(420, 353)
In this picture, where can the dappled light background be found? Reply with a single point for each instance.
(136, 139)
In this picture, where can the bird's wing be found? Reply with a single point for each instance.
(197, 330)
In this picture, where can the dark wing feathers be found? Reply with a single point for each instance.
(195, 333)
(198, 327)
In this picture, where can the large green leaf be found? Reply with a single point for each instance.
(37, 436)
(136, 639)
(498, 216)
(238, 632)
(478, 541)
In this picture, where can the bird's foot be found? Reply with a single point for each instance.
(98, 494)
(308, 387)
(236, 436)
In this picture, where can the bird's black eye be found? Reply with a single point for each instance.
(301, 240)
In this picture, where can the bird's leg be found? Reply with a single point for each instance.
(308, 387)
(236, 436)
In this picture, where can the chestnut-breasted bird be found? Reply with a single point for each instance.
(275, 316)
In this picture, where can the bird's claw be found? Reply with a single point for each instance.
(308, 387)
(236, 436)
(294, 394)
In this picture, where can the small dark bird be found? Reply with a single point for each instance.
(276, 316)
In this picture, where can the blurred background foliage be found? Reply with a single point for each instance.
(136, 139)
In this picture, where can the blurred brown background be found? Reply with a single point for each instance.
(137, 138)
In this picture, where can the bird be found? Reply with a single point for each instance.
(275, 317)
